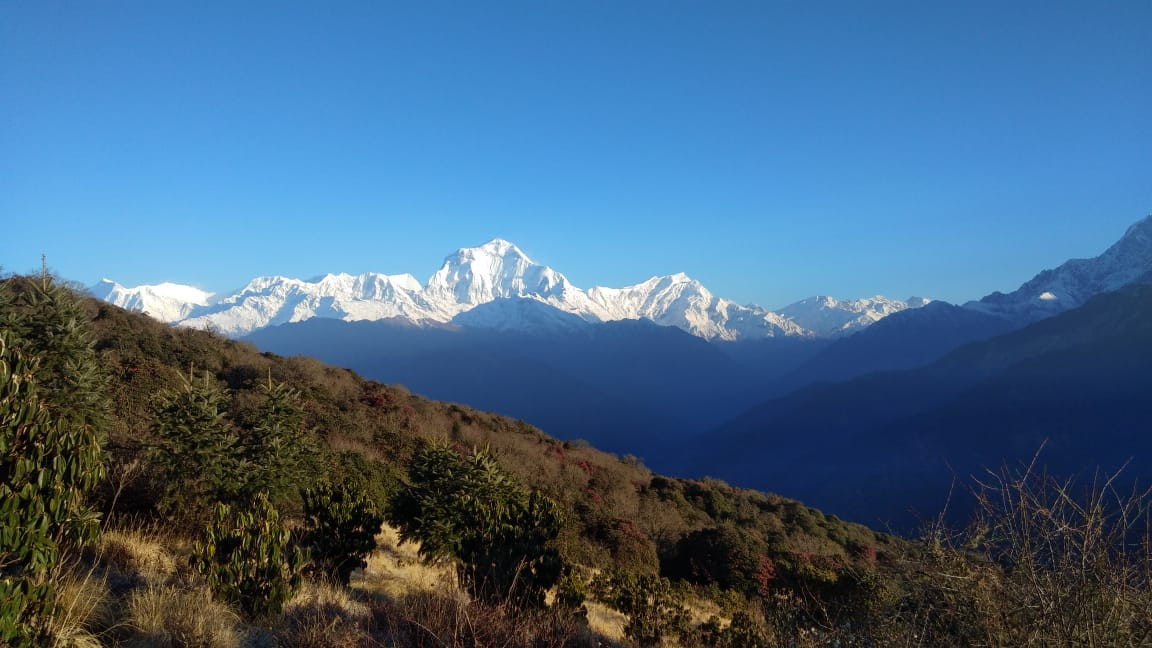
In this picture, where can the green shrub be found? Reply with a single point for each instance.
(246, 558)
(742, 632)
(52, 410)
(729, 556)
(340, 528)
(195, 458)
(654, 608)
(469, 510)
(272, 452)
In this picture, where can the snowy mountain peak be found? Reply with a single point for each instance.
(498, 269)
(167, 302)
(516, 294)
(1074, 282)
(827, 316)
(498, 247)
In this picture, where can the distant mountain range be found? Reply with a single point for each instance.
(854, 406)
(481, 275)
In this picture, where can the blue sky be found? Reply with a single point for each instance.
(771, 149)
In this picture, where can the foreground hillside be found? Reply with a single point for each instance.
(673, 561)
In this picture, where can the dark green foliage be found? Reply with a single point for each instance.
(655, 610)
(469, 510)
(340, 528)
(30, 510)
(195, 458)
(571, 593)
(45, 320)
(246, 558)
(273, 451)
(203, 456)
(52, 411)
(728, 556)
(742, 632)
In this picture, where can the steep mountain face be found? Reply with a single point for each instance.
(268, 301)
(167, 302)
(494, 271)
(1076, 281)
(677, 300)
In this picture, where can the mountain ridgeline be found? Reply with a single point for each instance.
(866, 408)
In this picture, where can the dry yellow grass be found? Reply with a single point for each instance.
(700, 610)
(85, 610)
(170, 616)
(605, 621)
(137, 555)
(395, 570)
(322, 615)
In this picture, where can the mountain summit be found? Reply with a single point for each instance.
(1076, 281)
(496, 270)
(474, 276)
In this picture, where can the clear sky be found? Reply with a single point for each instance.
(773, 149)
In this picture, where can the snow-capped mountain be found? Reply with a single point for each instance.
(495, 271)
(830, 317)
(267, 301)
(167, 302)
(677, 300)
(1074, 282)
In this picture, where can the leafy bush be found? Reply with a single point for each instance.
(52, 409)
(655, 610)
(731, 557)
(742, 632)
(340, 528)
(246, 558)
(469, 510)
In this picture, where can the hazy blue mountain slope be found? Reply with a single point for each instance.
(915, 337)
(903, 340)
(628, 386)
(874, 447)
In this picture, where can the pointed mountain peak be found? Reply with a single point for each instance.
(1144, 224)
(1138, 235)
(496, 247)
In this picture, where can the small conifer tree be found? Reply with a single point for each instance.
(273, 451)
(195, 456)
